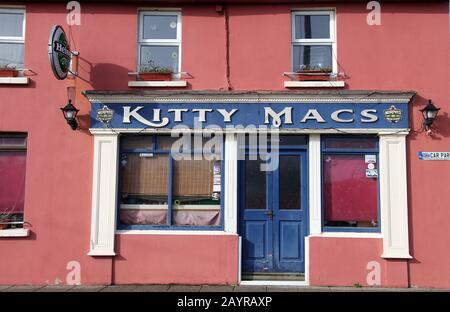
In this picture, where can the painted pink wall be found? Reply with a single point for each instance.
(175, 259)
(349, 261)
(58, 161)
(409, 51)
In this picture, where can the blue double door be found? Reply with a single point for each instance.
(273, 214)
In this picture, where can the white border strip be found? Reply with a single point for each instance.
(117, 99)
(14, 80)
(314, 84)
(172, 232)
(348, 235)
(15, 233)
(175, 207)
(157, 84)
(385, 131)
(274, 283)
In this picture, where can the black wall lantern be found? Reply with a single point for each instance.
(429, 113)
(70, 114)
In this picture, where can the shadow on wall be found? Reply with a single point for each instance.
(105, 76)
(441, 128)
(84, 122)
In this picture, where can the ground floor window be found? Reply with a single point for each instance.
(159, 189)
(13, 156)
(350, 183)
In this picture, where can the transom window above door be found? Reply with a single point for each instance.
(159, 42)
(313, 41)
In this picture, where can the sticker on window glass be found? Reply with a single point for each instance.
(370, 159)
(215, 196)
(371, 166)
(145, 154)
(217, 168)
(216, 188)
(173, 25)
(174, 55)
(216, 179)
(371, 173)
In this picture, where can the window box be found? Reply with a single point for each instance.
(8, 72)
(155, 76)
(4, 222)
(312, 75)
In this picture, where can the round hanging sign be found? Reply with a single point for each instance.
(59, 53)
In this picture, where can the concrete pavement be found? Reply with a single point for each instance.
(200, 288)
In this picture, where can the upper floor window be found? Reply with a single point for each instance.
(12, 38)
(159, 45)
(313, 41)
(13, 156)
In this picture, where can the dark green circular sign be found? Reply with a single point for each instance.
(59, 54)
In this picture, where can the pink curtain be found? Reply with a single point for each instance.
(155, 217)
(143, 217)
(196, 218)
(12, 181)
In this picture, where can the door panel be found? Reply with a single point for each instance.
(255, 185)
(256, 230)
(290, 240)
(289, 190)
(272, 222)
(256, 235)
(289, 181)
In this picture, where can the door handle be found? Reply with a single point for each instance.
(269, 213)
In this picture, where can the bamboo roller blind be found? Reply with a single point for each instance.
(149, 176)
(143, 175)
(193, 177)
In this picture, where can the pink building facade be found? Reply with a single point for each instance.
(108, 204)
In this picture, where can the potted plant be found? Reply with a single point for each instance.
(313, 73)
(8, 70)
(153, 72)
(5, 218)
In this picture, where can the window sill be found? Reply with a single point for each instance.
(158, 84)
(15, 233)
(348, 235)
(101, 253)
(174, 232)
(14, 80)
(394, 255)
(314, 84)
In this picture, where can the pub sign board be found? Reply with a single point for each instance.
(278, 115)
(59, 54)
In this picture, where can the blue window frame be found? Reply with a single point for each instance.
(160, 191)
(350, 183)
